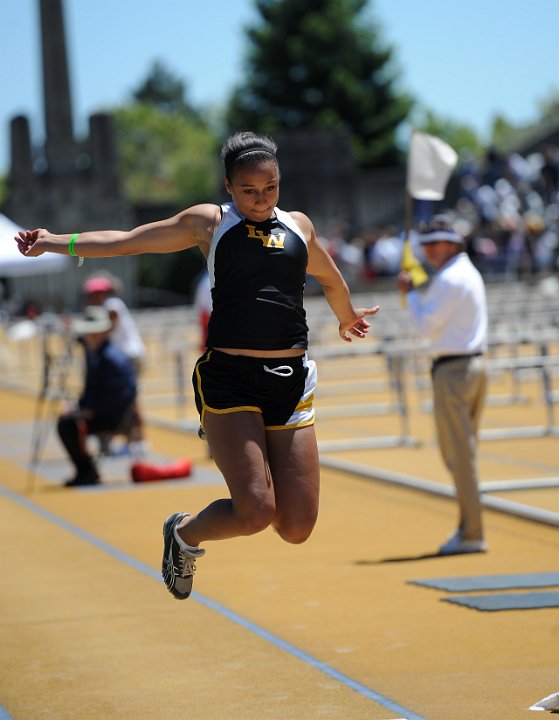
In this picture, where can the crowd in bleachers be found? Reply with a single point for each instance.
(507, 208)
(509, 212)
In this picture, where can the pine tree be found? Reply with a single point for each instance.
(320, 64)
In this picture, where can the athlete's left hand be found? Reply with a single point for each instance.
(357, 327)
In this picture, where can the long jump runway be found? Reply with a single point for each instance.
(362, 622)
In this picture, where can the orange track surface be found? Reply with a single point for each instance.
(331, 629)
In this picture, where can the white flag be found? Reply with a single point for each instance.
(430, 163)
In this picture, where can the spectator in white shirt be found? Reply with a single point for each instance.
(452, 315)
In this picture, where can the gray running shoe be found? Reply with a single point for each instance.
(178, 565)
(458, 545)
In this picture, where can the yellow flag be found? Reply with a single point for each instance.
(411, 265)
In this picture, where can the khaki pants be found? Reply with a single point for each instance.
(459, 389)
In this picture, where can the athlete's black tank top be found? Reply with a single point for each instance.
(257, 274)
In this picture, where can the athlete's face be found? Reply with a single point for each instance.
(255, 190)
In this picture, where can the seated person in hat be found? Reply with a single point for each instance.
(108, 395)
(103, 288)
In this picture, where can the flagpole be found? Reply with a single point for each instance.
(409, 216)
(409, 262)
(409, 198)
(408, 224)
(407, 239)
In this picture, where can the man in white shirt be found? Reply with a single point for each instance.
(452, 315)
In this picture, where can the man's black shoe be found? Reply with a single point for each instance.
(88, 477)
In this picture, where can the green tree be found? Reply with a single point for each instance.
(167, 152)
(508, 136)
(321, 64)
(548, 106)
(504, 134)
(168, 157)
(165, 91)
(165, 158)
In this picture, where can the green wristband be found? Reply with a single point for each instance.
(71, 249)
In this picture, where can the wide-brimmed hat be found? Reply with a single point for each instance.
(439, 227)
(95, 319)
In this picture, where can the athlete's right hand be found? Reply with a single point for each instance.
(28, 242)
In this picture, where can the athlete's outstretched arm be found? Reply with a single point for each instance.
(189, 228)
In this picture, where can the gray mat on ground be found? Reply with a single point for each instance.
(491, 582)
(510, 601)
(53, 465)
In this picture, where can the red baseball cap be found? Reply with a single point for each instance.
(97, 284)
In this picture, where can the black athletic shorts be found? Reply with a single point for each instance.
(282, 389)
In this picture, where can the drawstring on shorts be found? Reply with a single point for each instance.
(281, 370)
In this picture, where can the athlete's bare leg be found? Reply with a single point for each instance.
(237, 442)
(294, 462)
(273, 479)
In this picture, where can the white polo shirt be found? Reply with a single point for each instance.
(452, 312)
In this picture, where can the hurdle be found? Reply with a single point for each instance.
(544, 363)
(508, 507)
(396, 354)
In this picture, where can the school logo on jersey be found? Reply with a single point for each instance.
(268, 241)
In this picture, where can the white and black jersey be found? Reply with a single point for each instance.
(257, 273)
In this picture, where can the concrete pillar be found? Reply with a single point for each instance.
(60, 146)
(103, 155)
(21, 153)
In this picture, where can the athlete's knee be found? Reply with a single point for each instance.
(295, 531)
(255, 517)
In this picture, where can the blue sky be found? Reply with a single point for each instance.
(465, 59)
